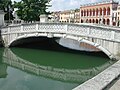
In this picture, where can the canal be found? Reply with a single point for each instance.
(57, 68)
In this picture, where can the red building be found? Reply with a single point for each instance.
(99, 13)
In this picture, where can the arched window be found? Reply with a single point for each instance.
(82, 13)
(97, 12)
(100, 11)
(81, 21)
(87, 21)
(108, 22)
(103, 21)
(90, 12)
(90, 21)
(100, 21)
(104, 11)
(96, 20)
(87, 12)
(93, 21)
(93, 12)
(108, 10)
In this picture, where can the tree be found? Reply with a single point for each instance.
(30, 10)
(6, 6)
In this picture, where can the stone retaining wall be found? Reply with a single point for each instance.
(100, 81)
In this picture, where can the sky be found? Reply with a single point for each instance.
(60, 5)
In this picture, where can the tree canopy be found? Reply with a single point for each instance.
(30, 10)
(6, 6)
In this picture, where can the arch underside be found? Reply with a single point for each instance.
(79, 39)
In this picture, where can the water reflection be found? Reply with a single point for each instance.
(76, 75)
(3, 70)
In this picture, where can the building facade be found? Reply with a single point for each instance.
(77, 16)
(70, 16)
(54, 16)
(118, 15)
(99, 13)
(64, 16)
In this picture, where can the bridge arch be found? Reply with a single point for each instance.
(79, 39)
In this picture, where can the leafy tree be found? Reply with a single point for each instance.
(6, 6)
(30, 10)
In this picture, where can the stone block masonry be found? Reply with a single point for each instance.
(103, 79)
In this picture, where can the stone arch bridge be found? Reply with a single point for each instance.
(105, 38)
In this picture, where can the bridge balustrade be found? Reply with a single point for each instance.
(101, 32)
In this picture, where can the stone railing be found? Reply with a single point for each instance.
(84, 30)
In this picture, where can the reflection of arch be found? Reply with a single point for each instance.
(63, 74)
(108, 22)
(108, 11)
(104, 11)
(3, 70)
(97, 12)
(96, 20)
(100, 11)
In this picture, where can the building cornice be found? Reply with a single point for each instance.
(99, 3)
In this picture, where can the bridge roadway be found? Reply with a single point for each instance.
(66, 75)
(106, 39)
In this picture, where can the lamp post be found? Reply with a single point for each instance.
(9, 10)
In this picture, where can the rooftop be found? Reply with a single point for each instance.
(97, 3)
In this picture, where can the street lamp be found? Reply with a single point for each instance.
(8, 9)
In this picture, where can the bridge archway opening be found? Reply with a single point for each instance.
(85, 46)
(52, 44)
(36, 43)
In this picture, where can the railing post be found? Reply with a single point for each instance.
(88, 31)
(9, 30)
(22, 28)
(66, 28)
(112, 35)
(36, 27)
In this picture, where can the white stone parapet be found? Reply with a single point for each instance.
(107, 34)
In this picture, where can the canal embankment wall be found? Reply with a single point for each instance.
(103, 79)
(0, 37)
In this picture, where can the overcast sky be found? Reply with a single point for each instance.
(58, 5)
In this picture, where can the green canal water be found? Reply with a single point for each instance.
(36, 69)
